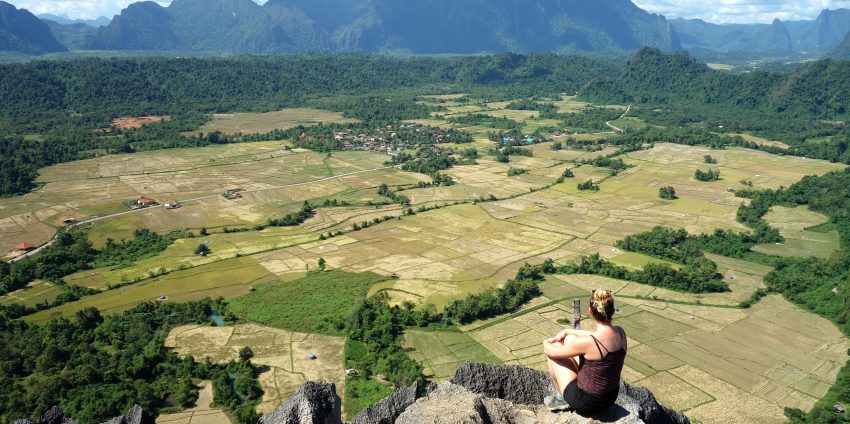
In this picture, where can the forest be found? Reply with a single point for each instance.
(62, 102)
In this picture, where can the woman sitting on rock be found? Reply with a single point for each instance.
(585, 366)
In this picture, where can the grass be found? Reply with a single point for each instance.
(224, 278)
(636, 261)
(361, 393)
(806, 233)
(310, 304)
(281, 353)
(251, 123)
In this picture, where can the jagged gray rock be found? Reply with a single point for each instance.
(478, 393)
(52, 416)
(313, 403)
(650, 410)
(387, 410)
(136, 415)
(450, 403)
(508, 382)
(528, 387)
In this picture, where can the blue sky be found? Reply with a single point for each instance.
(719, 11)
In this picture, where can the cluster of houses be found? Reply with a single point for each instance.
(387, 139)
(143, 202)
(232, 194)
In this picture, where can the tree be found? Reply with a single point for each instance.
(204, 231)
(246, 354)
(322, 264)
(668, 193)
(202, 250)
(709, 159)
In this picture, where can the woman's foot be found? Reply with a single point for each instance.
(556, 403)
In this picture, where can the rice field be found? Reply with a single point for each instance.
(253, 123)
(793, 224)
(282, 353)
(716, 364)
(90, 188)
(227, 278)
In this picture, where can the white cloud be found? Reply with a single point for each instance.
(720, 11)
(741, 11)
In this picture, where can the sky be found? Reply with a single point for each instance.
(717, 11)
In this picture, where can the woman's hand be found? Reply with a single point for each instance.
(560, 336)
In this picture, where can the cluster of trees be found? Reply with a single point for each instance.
(294, 218)
(588, 185)
(615, 165)
(546, 109)
(568, 173)
(667, 193)
(96, 367)
(485, 121)
(384, 190)
(707, 176)
(512, 172)
(589, 119)
(699, 276)
(426, 161)
(72, 252)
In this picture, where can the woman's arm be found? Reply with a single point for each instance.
(569, 332)
(558, 350)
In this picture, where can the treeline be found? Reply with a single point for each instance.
(376, 329)
(696, 276)
(72, 252)
(674, 90)
(61, 103)
(96, 367)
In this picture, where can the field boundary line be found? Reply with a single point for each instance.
(192, 200)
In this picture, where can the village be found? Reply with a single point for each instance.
(391, 139)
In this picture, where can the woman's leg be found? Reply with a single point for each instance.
(563, 371)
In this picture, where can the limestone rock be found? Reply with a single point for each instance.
(508, 382)
(312, 403)
(387, 410)
(136, 415)
(52, 416)
(452, 404)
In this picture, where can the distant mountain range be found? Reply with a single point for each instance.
(21, 31)
(822, 34)
(65, 20)
(408, 26)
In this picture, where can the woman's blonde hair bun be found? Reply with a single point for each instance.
(602, 304)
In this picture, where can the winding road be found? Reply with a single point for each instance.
(621, 117)
(194, 199)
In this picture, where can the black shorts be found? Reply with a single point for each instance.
(587, 404)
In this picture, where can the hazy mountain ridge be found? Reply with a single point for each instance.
(65, 20)
(439, 26)
(821, 34)
(21, 31)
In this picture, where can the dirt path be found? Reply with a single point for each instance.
(184, 201)
(621, 117)
(202, 413)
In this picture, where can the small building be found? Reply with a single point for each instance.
(838, 409)
(144, 201)
(69, 221)
(312, 356)
(24, 247)
(172, 205)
